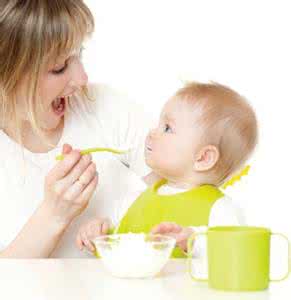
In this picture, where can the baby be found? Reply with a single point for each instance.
(205, 134)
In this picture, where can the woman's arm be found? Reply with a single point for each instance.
(67, 191)
(38, 238)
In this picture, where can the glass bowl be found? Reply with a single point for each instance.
(134, 255)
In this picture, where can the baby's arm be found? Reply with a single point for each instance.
(91, 230)
(179, 233)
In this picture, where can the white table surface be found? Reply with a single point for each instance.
(70, 279)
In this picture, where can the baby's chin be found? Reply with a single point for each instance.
(161, 169)
(158, 170)
(151, 164)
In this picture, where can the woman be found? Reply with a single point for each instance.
(46, 102)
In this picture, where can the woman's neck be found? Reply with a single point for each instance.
(32, 141)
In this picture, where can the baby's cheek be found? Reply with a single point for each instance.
(163, 158)
(172, 156)
(169, 164)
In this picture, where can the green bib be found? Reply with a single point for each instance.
(190, 208)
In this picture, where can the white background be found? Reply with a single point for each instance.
(145, 48)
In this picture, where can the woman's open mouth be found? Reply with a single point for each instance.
(59, 106)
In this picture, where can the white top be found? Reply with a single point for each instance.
(109, 121)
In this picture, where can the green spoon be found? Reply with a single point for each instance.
(90, 150)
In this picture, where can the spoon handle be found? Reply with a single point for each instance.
(90, 150)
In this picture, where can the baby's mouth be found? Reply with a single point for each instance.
(148, 148)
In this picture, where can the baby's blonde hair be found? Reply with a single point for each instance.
(227, 121)
(32, 33)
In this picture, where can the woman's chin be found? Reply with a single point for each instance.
(54, 124)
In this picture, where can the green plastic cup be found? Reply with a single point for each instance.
(238, 258)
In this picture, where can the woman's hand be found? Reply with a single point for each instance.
(68, 188)
(70, 185)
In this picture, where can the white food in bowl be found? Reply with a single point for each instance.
(134, 255)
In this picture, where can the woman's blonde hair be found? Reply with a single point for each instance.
(32, 33)
(227, 121)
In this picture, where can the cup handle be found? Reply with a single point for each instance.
(289, 253)
(189, 255)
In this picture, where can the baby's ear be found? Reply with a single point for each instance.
(206, 158)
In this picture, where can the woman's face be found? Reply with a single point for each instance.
(58, 81)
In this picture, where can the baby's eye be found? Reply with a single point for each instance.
(167, 128)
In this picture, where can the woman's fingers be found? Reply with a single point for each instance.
(67, 149)
(75, 174)
(80, 185)
(88, 191)
(62, 168)
(70, 185)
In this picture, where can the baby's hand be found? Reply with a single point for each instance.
(181, 234)
(91, 230)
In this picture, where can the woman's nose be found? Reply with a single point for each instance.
(79, 76)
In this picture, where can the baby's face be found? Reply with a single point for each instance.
(170, 148)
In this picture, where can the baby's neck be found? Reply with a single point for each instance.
(183, 185)
(186, 183)
(177, 183)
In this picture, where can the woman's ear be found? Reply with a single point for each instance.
(206, 158)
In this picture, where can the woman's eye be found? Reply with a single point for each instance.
(60, 71)
(63, 69)
(167, 128)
